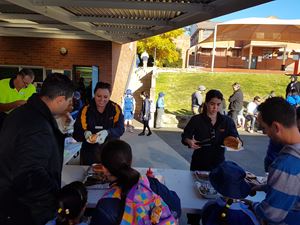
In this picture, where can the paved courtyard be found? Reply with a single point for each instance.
(251, 158)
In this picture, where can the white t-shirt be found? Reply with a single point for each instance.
(251, 108)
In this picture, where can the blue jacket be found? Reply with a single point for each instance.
(108, 209)
(89, 118)
(294, 100)
(238, 213)
(160, 102)
(282, 202)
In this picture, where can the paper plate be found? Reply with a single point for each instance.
(201, 175)
(232, 149)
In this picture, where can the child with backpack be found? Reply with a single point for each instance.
(132, 198)
(71, 204)
(228, 179)
(128, 106)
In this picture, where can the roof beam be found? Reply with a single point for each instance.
(61, 15)
(123, 29)
(18, 33)
(93, 19)
(121, 4)
(41, 26)
(33, 30)
(22, 16)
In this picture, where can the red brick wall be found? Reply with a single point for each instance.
(220, 61)
(45, 52)
(237, 62)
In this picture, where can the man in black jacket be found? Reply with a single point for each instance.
(293, 85)
(31, 155)
(235, 102)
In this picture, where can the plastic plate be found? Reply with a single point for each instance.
(206, 190)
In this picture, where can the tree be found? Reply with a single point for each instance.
(166, 52)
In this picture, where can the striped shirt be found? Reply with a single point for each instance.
(282, 202)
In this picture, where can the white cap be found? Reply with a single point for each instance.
(201, 88)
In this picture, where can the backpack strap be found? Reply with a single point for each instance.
(118, 112)
(83, 117)
(249, 213)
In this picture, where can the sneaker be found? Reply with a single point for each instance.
(251, 131)
(141, 134)
(149, 133)
(130, 129)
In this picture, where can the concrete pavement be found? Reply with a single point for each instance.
(163, 149)
(152, 151)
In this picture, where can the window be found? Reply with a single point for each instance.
(236, 53)
(267, 53)
(220, 52)
(10, 71)
(206, 51)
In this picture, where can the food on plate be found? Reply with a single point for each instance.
(96, 179)
(232, 142)
(98, 168)
(93, 138)
(206, 189)
(250, 175)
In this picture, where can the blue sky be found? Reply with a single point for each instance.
(283, 9)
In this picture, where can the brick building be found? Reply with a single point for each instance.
(265, 48)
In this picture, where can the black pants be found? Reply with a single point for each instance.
(233, 114)
(193, 219)
(3, 115)
(146, 125)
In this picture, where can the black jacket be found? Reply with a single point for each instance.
(212, 137)
(89, 118)
(236, 101)
(108, 209)
(31, 157)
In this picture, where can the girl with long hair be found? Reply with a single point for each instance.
(116, 159)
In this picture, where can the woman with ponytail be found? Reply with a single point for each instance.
(205, 134)
(116, 157)
(71, 204)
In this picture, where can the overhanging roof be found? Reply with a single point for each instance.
(258, 29)
(119, 21)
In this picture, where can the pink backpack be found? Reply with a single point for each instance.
(143, 206)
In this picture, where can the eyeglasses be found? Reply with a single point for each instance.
(25, 83)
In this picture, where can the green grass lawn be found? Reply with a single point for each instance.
(178, 87)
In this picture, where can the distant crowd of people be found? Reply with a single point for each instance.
(34, 127)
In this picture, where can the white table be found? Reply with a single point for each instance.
(71, 149)
(180, 181)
